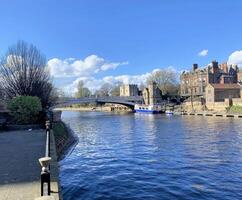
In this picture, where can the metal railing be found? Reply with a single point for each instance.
(47, 146)
(45, 164)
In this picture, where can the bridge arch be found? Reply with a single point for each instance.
(129, 105)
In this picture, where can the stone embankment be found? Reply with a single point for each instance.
(106, 108)
(182, 110)
(211, 114)
(65, 139)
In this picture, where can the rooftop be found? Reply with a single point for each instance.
(226, 86)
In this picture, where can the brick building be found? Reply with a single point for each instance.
(221, 96)
(220, 92)
(194, 83)
(239, 76)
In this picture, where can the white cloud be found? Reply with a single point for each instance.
(94, 84)
(203, 53)
(236, 58)
(72, 67)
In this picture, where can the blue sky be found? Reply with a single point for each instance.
(143, 33)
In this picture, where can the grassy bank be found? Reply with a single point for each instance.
(235, 109)
(63, 138)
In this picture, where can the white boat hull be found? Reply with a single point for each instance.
(147, 108)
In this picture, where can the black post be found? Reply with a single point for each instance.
(45, 179)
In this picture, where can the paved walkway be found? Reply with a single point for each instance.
(19, 166)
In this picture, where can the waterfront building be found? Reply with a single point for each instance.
(129, 90)
(221, 96)
(219, 92)
(194, 83)
(152, 94)
(239, 76)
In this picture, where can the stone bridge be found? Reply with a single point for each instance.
(126, 101)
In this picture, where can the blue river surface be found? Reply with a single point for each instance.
(145, 156)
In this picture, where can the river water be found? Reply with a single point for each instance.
(143, 156)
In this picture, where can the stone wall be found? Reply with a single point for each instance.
(217, 106)
(209, 94)
(152, 94)
(221, 94)
(237, 101)
(129, 90)
(197, 106)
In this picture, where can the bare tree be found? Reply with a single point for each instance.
(23, 72)
(115, 91)
(166, 80)
(82, 91)
(105, 89)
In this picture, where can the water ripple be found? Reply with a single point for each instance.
(153, 157)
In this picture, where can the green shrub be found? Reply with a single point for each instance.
(25, 109)
(235, 109)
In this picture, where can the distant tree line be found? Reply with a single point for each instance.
(106, 89)
(166, 79)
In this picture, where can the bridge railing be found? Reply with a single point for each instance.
(129, 98)
(102, 99)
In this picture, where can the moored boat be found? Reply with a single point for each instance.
(169, 112)
(147, 108)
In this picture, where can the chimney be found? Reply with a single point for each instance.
(224, 67)
(214, 64)
(194, 67)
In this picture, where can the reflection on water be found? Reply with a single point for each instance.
(142, 156)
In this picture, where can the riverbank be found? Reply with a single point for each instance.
(65, 139)
(83, 109)
(233, 111)
(214, 114)
(104, 108)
